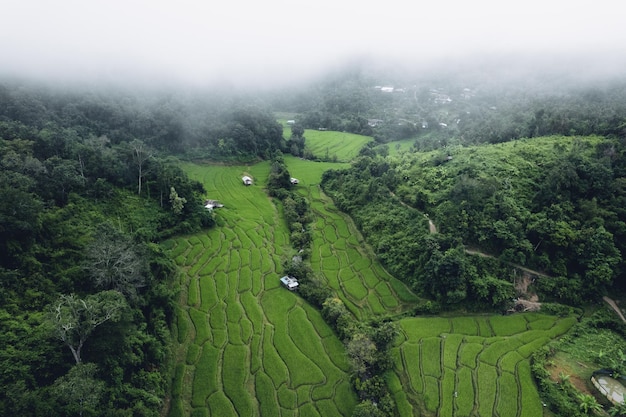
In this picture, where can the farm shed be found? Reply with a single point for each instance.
(246, 180)
(294, 181)
(289, 282)
(211, 204)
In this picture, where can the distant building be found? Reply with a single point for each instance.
(294, 181)
(289, 282)
(246, 180)
(291, 122)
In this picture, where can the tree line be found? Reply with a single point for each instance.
(212, 125)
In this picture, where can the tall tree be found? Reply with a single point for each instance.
(113, 262)
(141, 155)
(79, 388)
(74, 318)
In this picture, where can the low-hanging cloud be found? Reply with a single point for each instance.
(243, 41)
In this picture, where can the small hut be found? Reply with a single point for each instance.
(289, 282)
(246, 180)
(211, 204)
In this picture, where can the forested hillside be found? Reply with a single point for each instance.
(554, 204)
(85, 299)
(207, 124)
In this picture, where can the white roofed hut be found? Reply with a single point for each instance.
(211, 204)
(246, 180)
(289, 282)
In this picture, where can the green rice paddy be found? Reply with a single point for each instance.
(473, 371)
(331, 145)
(248, 347)
(339, 253)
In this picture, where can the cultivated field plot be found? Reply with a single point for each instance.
(330, 145)
(246, 346)
(471, 366)
(339, 253)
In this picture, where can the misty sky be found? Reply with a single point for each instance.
(244, 41)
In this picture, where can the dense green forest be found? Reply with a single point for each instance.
(554, 204)
(85, 297)
(91, 184)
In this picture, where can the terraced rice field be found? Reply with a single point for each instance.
(246, 346)
(343, 146)
(340, 255)
(471, 366)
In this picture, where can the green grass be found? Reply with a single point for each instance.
(465, 395)
(431, 393)
(493, 352)
(200, 324)
(220, 405)
(468, 355)
(465, 325)
(266, 395)
(507, 399)
(411, 355)
(251, 347)
(431, 356)
(234, 376)
(508, 361)
(448, 389)
(529, 395)
(483, 359)
(341, 146)
(487, 388)
(508, 325)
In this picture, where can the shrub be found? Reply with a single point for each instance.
(427, 307)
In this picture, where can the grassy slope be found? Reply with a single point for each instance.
(247, 346)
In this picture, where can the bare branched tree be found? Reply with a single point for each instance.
(74, 318)
(113, 263)
(141, 154)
